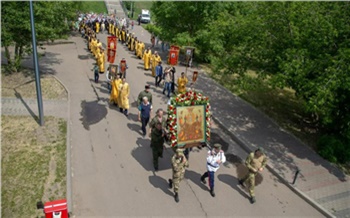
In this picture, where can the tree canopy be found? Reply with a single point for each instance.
(51, 23)
(300, 45)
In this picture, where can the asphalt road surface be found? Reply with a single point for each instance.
(112, 170)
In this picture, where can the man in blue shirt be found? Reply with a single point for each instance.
(159, 73)
(145, 111)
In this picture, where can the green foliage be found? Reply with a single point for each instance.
(91, 6)
(304, 46)
(334, 149)
(51, 23)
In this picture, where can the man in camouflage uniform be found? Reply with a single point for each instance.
(157, 143)
(256, 161)
(179, 162)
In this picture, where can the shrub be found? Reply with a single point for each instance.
(334, 149)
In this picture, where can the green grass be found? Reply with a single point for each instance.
(93, 6)
(33, 164)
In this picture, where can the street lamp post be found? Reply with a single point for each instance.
(36, 67)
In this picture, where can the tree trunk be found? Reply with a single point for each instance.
(18, 57)
(8, 56)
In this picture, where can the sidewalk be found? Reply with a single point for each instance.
(319, 183)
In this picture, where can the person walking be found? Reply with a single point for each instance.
(214, 159)
(96, 73)
(145, 112)
(157, 144)
(123, 98)
(114, 96)
(256, 162)
(178, 162)
(144, 93)
(181, 83)
(147, 58)
(159, 73)
(132, 25)
(158, 118)
(167, 79)
(155, 59)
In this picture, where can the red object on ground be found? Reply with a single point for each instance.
(56, 209)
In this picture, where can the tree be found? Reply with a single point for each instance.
(301, 45)
(50, 23)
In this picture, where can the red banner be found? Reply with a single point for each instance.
(111, 55)
(112, 42)
(112, 48)
(122, 66)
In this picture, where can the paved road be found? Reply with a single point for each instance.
(112, 173)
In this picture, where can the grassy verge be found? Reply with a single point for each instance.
(33, 164)
(279, 104)
(93, 6)
(15, 84)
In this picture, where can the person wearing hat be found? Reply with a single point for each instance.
(178, 162)
(256, 162)
(145, 93)
(215, 158)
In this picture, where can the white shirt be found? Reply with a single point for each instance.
(212, 157)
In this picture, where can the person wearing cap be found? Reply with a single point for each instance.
(215, 158)
(144, 93)
(255, 162)
(145, 112)
(178, 162)
(157, 143)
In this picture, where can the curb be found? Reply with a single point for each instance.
(68, 152)
(244, 145)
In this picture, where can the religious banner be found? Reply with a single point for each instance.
(194, 77)
(111, 55)
(111, 48)
(122, 67)
(112, 42)
(189, 119)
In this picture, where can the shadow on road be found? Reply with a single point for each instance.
(133, 117)
(196, 179)
(233, 182)
(135, 127)
(159, 182)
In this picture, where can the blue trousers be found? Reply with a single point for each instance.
(167, 87)
(211, 176)
(144, 122)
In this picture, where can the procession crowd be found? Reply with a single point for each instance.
(92, 24)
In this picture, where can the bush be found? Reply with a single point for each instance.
(334, 149)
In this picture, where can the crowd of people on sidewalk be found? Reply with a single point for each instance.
(90, 26)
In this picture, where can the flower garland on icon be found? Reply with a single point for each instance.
(190, 98)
